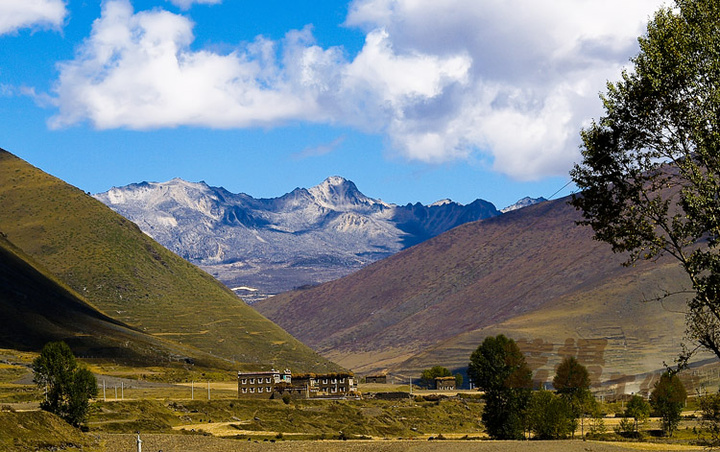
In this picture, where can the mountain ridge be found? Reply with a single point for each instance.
(531, 274)
(304, 237)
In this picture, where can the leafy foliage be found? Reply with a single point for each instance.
(550, 416)
(668, 398)
(69, 387)
(498, 367)
(571, 376)
(710, 421)
(572, 382)
(639, 410)
(427, 378)
(650, 173)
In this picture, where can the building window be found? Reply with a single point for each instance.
(268, 389)
(252, 381)
(260, 389)
(342, 380)
(267, 380)
(244, 390)
(252, 390)
(243, 381)
(325, 381)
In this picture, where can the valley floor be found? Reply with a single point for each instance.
(178, 443)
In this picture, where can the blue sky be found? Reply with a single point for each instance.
(413, 100)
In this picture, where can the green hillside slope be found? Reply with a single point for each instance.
(531, 274)
(113, 265)
(37, 308)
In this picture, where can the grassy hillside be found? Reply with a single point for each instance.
(121, 271)
(37, 308)
(531, 274)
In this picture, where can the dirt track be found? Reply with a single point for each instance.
(183, 443)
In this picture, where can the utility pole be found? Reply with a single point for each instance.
(192, 390)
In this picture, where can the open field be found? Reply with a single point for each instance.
(171, 443)
(173, 414)
(174, 443)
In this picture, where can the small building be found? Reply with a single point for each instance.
(382, 379)
(335, 384)
(261, 384)
(445, 383)
(274, 383)
(325, 385)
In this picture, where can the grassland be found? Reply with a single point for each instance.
(162, 410)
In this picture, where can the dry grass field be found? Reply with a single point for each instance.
(176, 443)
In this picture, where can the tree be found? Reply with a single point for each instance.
(498, 367)
(572, 382)
(69, 387)
(427, 378)
(668, 398)
(458, 380)
(550, 416)
(639, 410)
(571, 377)
(650, 174)
(710, 423)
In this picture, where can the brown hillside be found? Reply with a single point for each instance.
(531, 274)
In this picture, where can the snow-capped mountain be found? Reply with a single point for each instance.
(261, 247)
(525, 202)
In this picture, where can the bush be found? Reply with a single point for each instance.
(550, 416)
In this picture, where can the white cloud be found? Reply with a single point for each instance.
(17, 14)
(137, 71)
(187, 4)
(537, 68)
(510, 81)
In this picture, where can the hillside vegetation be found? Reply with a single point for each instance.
(38, 308)
(122, 272)
(531, 274)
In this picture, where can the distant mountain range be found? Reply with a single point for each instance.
(261, 247)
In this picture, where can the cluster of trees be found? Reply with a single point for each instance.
(513, 409)
(427, 378)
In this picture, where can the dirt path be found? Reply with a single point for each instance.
(185, 443)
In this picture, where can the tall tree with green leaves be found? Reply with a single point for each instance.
(572, 382)
(668, 398)
(498, 367)
(650, 174)
(639, 410)
(68, 386)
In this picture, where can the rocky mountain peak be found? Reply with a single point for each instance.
(338, 193)
(441, 202)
